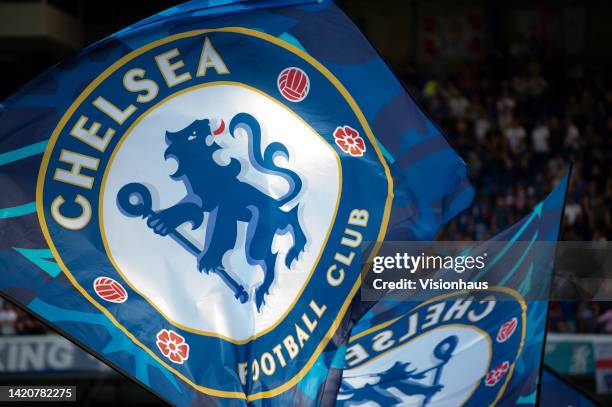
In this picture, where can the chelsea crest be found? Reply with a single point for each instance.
(209, 191)
(458, 349)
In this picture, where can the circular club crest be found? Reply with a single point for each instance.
(294, 84)
(208, 195)
(430, 346)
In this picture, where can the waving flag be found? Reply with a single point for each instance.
(556, 392)
(472, 348)
(186, 198)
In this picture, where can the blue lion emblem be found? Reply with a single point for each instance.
(407, 381)
(216, 190)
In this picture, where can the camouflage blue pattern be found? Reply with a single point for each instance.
(410, 143)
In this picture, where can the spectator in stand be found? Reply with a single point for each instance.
(540, 137)
(587, 316)
(573, 213)
(482, 126)
(605, 320)
(515, 137)
(26, 325)
(505, 108)
(572, 136)
(457, 103)
(8, 317)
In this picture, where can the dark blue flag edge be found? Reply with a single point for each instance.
(574, 386)
(567, 178)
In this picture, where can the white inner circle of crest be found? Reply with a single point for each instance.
(164, 272)
(473, 350)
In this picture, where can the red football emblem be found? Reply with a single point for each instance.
(506, 330)
(293, 84)
(495, 375)
(110, 290)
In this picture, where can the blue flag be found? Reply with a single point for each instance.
(556, 392)
(470, 348)
(186, 198)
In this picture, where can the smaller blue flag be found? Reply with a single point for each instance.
(473, 348)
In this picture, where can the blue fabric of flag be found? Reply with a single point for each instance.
(408, 177)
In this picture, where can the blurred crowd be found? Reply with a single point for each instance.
(13, 321)
(518, 125)
(580, 317)
(518, 133)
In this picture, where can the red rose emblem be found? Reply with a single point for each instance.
(349, 140)
(506, 330)
(172, 346)
(495, 375)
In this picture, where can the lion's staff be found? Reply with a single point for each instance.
(443, 352)
(134, 200)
